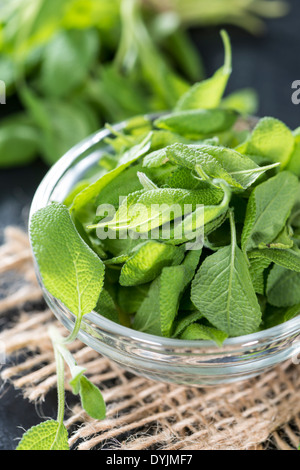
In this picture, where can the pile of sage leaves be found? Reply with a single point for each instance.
(245, 275)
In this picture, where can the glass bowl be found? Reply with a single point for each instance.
(194, 363)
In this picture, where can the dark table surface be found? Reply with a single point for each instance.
(269, 63)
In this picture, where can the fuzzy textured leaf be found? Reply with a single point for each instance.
(196, 123)
(222, 291)
(49, 435)
(268, 208)
(283, 287)
(147, 263)
(271, 139)
(70, 270)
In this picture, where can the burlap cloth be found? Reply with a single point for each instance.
(258, 414)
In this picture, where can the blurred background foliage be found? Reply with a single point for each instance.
(75, 64)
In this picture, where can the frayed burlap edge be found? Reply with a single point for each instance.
(257, 414)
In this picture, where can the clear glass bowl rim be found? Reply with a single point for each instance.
(42, 198)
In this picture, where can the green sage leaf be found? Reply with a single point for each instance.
(268, 209)
(70, 270)
(49, 435)
(222, 291)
